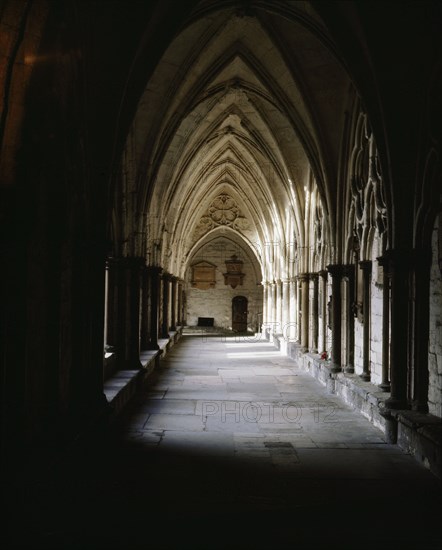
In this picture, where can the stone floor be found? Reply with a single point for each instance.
(233, 447)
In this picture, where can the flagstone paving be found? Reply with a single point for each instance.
(231, 446)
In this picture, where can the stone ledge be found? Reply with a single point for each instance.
(420, 435)
(123, 385)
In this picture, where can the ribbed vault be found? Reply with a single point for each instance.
(228, 114)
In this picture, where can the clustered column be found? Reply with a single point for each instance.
(165, 306)
(324, 276)
(304, 280)
(385, 382)
(265, 292)
(293, 333)
(145, 293)
(173, 304)
(278, 319)
(154, 300)
(336, 275)
(400, 266)
(180, 303)
(421, 329)
(349, 278)
(314, 277)
(123, 327)
(366, 282)
(272, 302)
(285, 308)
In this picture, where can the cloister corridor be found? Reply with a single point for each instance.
(221, 274)
(232, 446)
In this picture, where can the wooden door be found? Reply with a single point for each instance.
(239, 314)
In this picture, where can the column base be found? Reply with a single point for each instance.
(133, 364)
(391, 429)
(334, 367)
(151, 347)
(396, 404)
(420, 407)
(385, 386)
(349, 369)
(365, 376)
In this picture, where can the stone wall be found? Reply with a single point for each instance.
(217, 302)
(435, 340)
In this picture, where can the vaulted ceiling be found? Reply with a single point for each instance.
(239, 127)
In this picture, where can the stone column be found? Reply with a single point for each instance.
(421, 329)
(315, 311)
(165, 306)
(336, 275)
(400, 262)
(114, 305)
(293, 314)
(365, 266)
(179, 303)
(145, 291)
(304, 280)
(154, 306)
(272, 302)
(264, 306)
(278, 326)
(324, 276)
(349, 277)
(385, 383)
(299, 311)
(173, 304)
(123, 318)
(132, 274)
(285, 316)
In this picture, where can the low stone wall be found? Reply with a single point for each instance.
(416, 433)
(122, 386)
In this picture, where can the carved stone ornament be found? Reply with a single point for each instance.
(223, 210)
(234, 275)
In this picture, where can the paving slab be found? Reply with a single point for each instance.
(233, 436)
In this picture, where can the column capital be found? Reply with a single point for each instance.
(384, 260)
(303, 277)
(365, 265)
(313, 276)
(400, 258)
(323, 273)
(348, 271)
(126, 261)
(285, 280)
(335, 270)
(154, 269)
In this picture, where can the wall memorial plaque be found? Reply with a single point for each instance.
(204, 275)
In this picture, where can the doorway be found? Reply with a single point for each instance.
(239, 314)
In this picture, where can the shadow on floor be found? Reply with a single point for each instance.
(126, 495)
